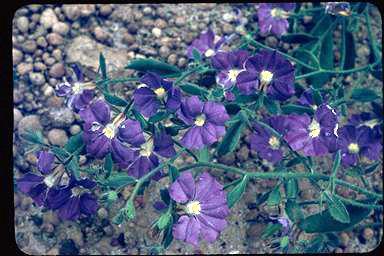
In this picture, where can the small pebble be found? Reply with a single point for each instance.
(344, 239)
(128, 39)
(71, 11)
(57, 54)
(55, 39)
(24, 68)
(29, 46)
(147, 10)
(22, 24)
(57, 70)
(160, 23)
(180, 21)
(31, 122)
(182, 62)
(102, 213)
(57, 137)
(368, 234)
(48, 90)
(60, 28)
(17, 116)
(164, 51)
(75, 129)
(105, 9)
(37, 78)
(16, 201)
(39, 66)
(17, 56)
(100, 34)
(26, 203)
(156, 32)
(48, 18)
(41, 42)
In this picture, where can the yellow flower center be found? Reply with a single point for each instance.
(146, 148)
(266, 76)
(232, 74)
(274, 142)
(77, 88)
(193, 207)
(314, 129)
(209, 53)
(277, 12)
(200, 120)
(108, 131)
(160, 92)
(353, 148)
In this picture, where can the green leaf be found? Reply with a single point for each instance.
(173, 130)
(151, 65)
(118, 219)
(317, 98)
(73, 167)
(114, 100)
(139, 117)
(324, 222)
(361, 7)
(164, 194)
(231, 138)
(163, 221)
(326, 62)
(173, 173)
(274, 197)
(232, 108)
(168, 236)
(299, 38)
(102, 66)
(161, 115)
(119, 180)
(108, 164)
(293, 210)
(129, 210)
(307, 57)
(337, 208)
(237, 192)
(350, 51)
(291, 188)
(60, 153)
(377, 72)
(271, 229)
(218, 92)
(194, 90)
(293, 108)
(284, 241)
(363, 94)
(246, 98)
(33, 136)
(204, 155)
(371, 168)
(315, 245)
(336, 163)
(270, 105)
(74, 143)
(293, 162)
(196, 55)
(319, 29)
(332, 240)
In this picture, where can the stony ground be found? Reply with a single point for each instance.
(48, 37)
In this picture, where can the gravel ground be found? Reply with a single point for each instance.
(48, 37)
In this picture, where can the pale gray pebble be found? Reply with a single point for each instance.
(75, 129)
(182, 62)
(50, 61)
(156, 32)
(100, 34)
(61, 117)
(57, 70)
(17, 116)
(22, 24)
(172, 59)
(243, 153)
(128, 39)
(71, 11)
(35, 17)
(48, 90)
(164, 51)
(86, 9)
(31, 122)
(52, 81)
(105, 9)
(160, 23)
(57, 54)
(41, 42)
(48, 18)
(82, 160)
(55, 39)
(57, 137)
(102, 213)
(17, 56)
(39, 66)
(180, 21)
(29, 46)
(37, 78)
(51, 217)
(34, 7)
(147, 10)
(60, 28)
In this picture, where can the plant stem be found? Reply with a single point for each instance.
(187, 150)
(186, 74)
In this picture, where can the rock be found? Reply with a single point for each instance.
(22, 24)
(105, 9)
(60, 28)
(102, 213)
(255, 231)
(61, 117)
(48, 228)
(39, 66)
(22, 239)
(156, 32)
(57, 137)
(17, 116)
(228, 28)
(55, 39)
(344, 239)
(172, 59)
(17, 56)
(51, 217)
(31, 122)
(26, 203)
(182, 62)
(86, 9)
(57, 70)
(180, 21)
(68, 247)
(75, 129)
(71, 11)
(16, 201)
(100, 34)
(368, 234)
(164, 51)
(57, 54)
(48, 90)
(49, 61)
(48, 18)
(36, 78)
(86, 51)
(160, 23)
(228, 158)
(271, 41)
(128, 39)
(29, 46)
(147, 10)
(42, 42)
(243, 153)
(123, 14)
(103, 246)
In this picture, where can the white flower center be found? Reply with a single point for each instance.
(200, 120)
(109, 131)
(77, 88)
(160, 92)
(54, 177)
(371, 123)
(209, 53)
(353, 148)
(314, 129)
(146, 148)
(266, 76)
(193, 207)
(278, 12)
(232, 74)
(274, 142)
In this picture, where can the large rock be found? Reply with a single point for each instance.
(48, 18)
(86, 51)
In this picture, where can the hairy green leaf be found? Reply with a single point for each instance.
(114, 100)
(299, 38)
(337, 208)
(119, 180)
(194, 90)
(363, 94)
(151, 65)
(293, 108)
(231, 138)
(75, 143)
(237, 192)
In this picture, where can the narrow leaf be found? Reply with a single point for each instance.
(350, 51)
(299, 38)
(114, 100)
(237, 192)
(337, 208)
(293, 108)
(119, 180)
(307, 57)
(74, 143)
(270, 105)
(293, 210)
(363, 94)
(140, 118)
(103, 66)
(291, 188)
(196, 55)
(108, 165)
(163, 221)
(231, 138)
(194, 90)
(317, 98)
(315, 245)
(204, 155)
(60, 153)
(151, 65)
(161, 115)
(173, 173)
(274, 197)
(73, 167)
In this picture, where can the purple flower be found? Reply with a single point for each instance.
(103, 135)
(78, 93)
(316, 136)
(229, 66)
(205, 205)
(357, 143)
(37, 186)
(73, 200)
(306, 99)
(146, 155)
(268, 72)
(273, 17)
(206, 120)
(206, 44)
(372, 120)
(149, 97)
(265, 143)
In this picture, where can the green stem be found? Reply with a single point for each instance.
(187, 150)
(376, 52)
(287, 175)
(349, 201)
(186, 74)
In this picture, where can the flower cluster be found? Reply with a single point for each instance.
(205, 207)
(273, 17)
(48, 190)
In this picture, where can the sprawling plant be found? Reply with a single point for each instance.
(294, 129)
